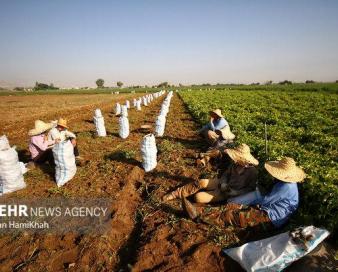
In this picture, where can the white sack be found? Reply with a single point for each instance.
(127, 104)
(160, 125)
(124, 111)
(124, 127)
(65, 167)
(138, 105)
(149, 152)
(145, 102)
(117, 109)
(98, 113)
(11, 177)
(4, 144)
(100, 128)
(275, 253)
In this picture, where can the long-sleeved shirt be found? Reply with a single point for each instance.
(238, 180)
(216, 124)
(62, 135)
(38, 144)
(280, 203)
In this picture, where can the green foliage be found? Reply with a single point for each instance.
(43, 86)
(100, 83)
(119, 84)
(163, 85)
(302, 125)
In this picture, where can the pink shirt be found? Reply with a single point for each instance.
(38, 144)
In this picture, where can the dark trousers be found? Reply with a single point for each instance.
(45, 156)
(76, 150)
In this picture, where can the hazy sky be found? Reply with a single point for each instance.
(72, 43)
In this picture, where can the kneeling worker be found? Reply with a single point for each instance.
(239, 178)
(212, 130)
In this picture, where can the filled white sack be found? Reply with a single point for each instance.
(117, 109)
(138, 105)
(100, 128)
(4, 144)
(149, 152)
(145, 102)
(160, 125)
(276, 252)
(98, 113)
(11, 176)
(124, 111)
(65, 166)
(124, 127)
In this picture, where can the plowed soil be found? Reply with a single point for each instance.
(144, 234)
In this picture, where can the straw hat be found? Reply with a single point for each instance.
(241, 154)
(218, 112)
(39, 128)
(227, 134)
(62, 123)
(285, 170)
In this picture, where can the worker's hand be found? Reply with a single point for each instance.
(73, 141)
(57, 141)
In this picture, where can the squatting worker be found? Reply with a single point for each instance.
(39, 145)
(211, 131)
(264, 212)
(62, 133)
(238, 179)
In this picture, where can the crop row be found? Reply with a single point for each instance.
(302, 125)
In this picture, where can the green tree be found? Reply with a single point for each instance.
(163, 85)
(100, 83)
(119, 84)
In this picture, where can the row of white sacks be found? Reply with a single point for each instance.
(122, 110)
(11, 170)
(161, 119)
(148, 145)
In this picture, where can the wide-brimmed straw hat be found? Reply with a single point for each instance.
(285, 170)
(227, 134)
(241, 154)
(39, 127)
(218, 112)
(62, 123)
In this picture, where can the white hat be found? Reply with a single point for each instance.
(39, 128)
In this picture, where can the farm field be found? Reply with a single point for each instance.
(146, 234)
(302, 125)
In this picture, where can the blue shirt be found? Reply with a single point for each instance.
(281, 203)
(216, 124)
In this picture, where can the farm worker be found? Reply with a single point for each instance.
(211, 131)
(270, 211)
(217, 150)
(240, 178)
(40, 146)
(62, 133)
